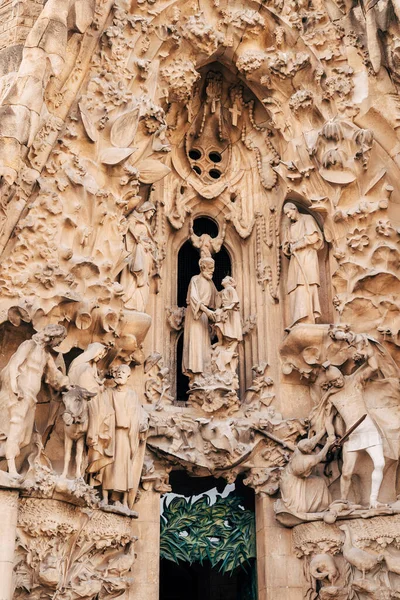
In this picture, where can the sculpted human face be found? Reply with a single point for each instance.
(207, 271)
(121, 376)
(292, 213)
(100, 355)
(53, 342)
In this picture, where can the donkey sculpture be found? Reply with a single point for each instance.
(76, 422)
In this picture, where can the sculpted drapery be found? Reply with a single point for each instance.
(201, 296)
(83, 372)
(303, 240)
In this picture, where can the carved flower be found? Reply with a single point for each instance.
(357, 240)
(250, 61)
(180, 76)
(301, 99)
(384, 227)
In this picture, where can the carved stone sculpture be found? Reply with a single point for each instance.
(228, 327)
(76, 423)
(201, 299)
(344, 395)
(301, 491)
(21, 380)
(135, 277)
(303, 240)
(122, 476)
(83, 371)
(206, 244)
(123, 125)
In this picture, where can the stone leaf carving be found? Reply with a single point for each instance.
(74, 554)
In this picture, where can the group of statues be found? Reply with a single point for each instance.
(203, 362)
(102, 415)
(103, 418)
(359, 406)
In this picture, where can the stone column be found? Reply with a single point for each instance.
(8, 530)
(146, 569)
(279, 572)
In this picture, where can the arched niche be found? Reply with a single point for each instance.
(324, 292)
(187, 267)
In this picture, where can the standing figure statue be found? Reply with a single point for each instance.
(301, 245)
(201, 298)
(344, 396)
(228, 327)
(100, 434)
(139, 242)
(122, 476)
(205, 243)
(21, 380)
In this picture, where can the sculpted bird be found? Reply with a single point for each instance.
(360, 559)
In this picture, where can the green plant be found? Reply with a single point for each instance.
(223, 532)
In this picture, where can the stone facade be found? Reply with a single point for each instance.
(199, 240)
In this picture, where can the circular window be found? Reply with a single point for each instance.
(214, 173)
(197, 170)
(215, 157)
(194, 154)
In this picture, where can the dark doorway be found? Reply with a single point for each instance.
(202, 582)
(207, 543)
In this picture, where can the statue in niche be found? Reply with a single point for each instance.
(21, 380)
(121, 477)
(99, 437)
(303, 492)
(201, 299)
(139, 242)
(344, 396)
(206, 244)
(303, 240)
(228, 327)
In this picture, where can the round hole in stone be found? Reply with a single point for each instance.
(197, 169)
(215, 157)
(214, 173)
(194, 154)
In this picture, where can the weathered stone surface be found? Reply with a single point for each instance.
(199, 239)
